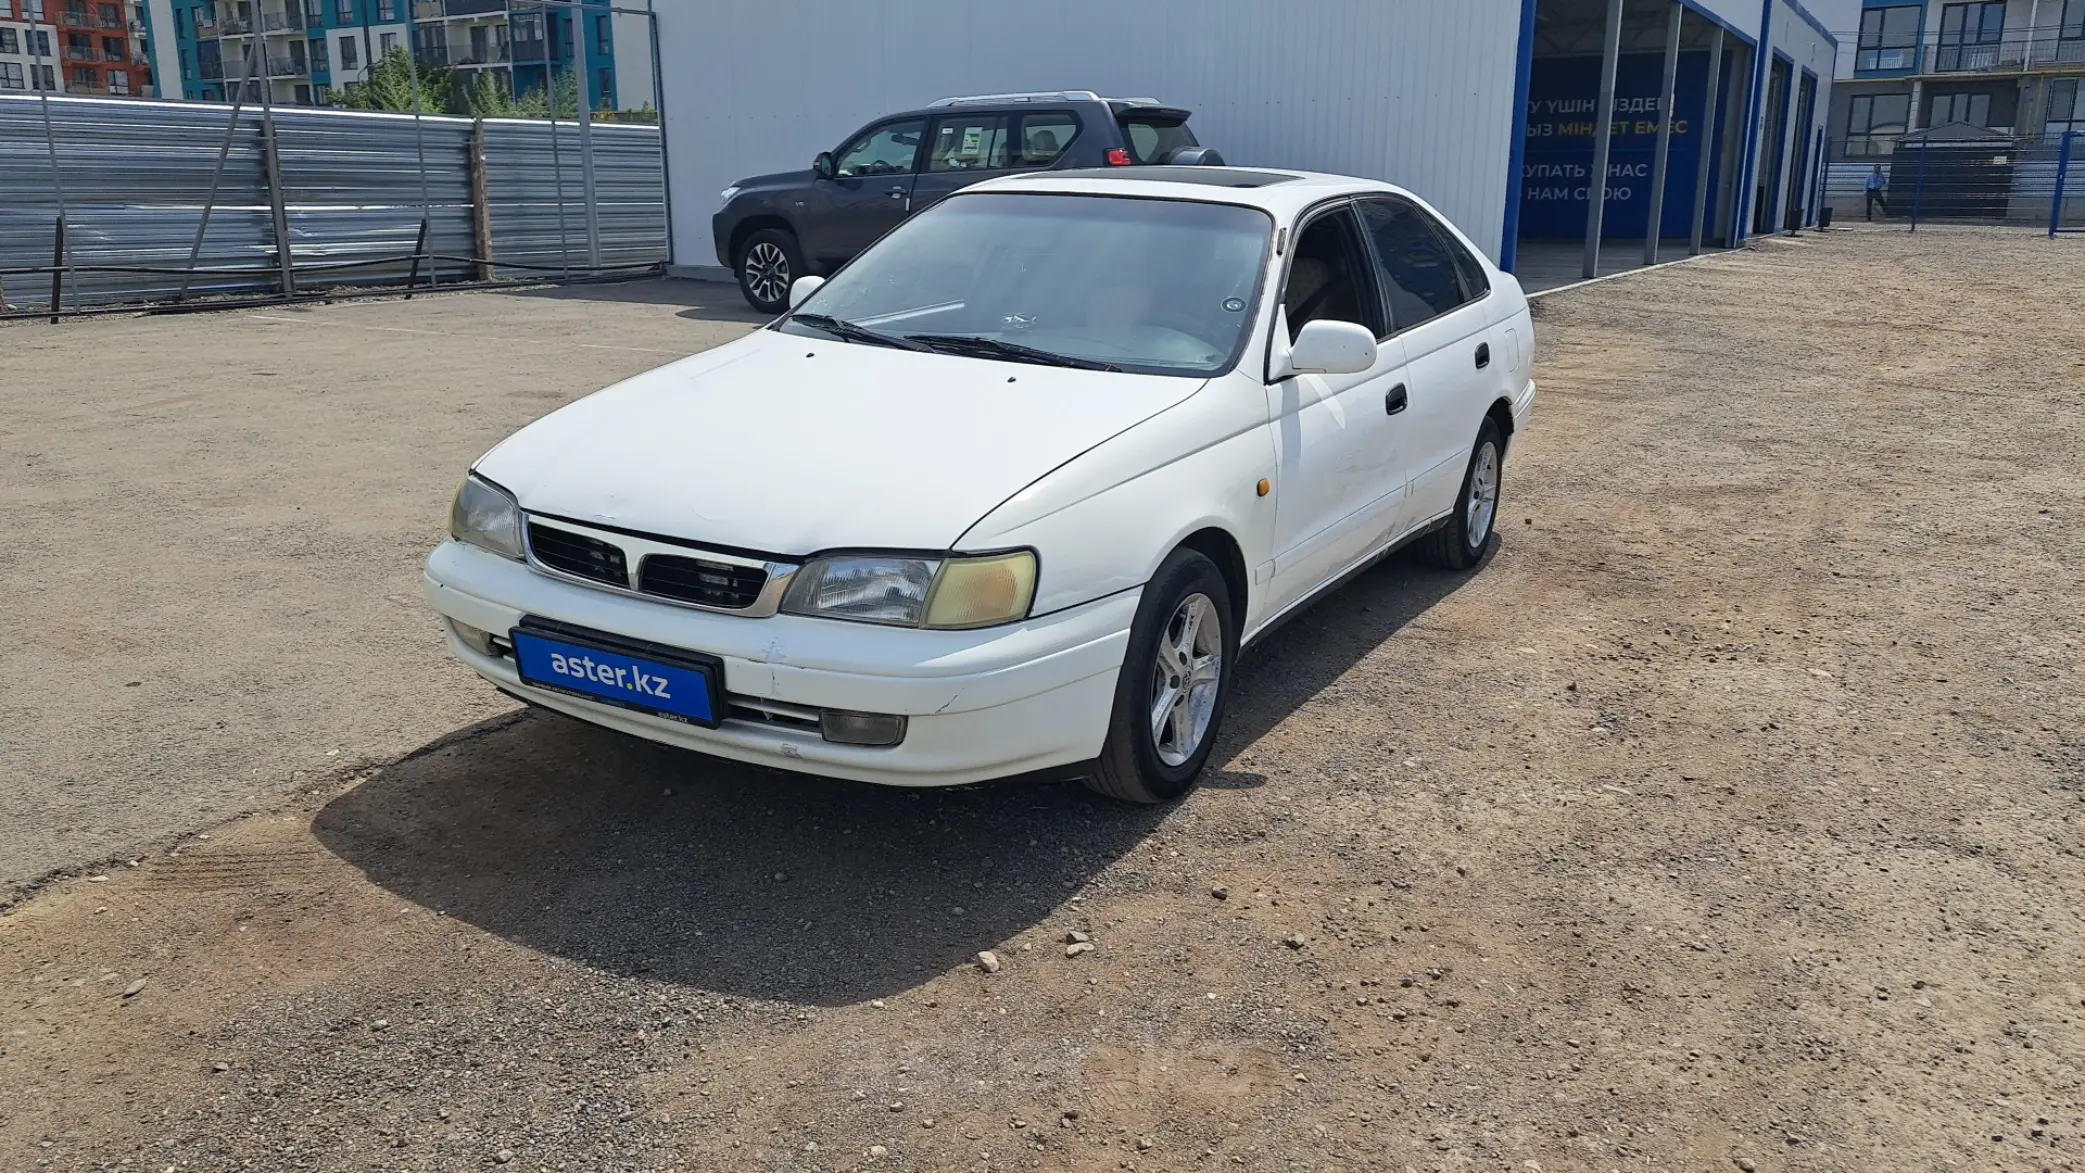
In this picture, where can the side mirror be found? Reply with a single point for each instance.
(802, 289)
(822, 166)
(1331, 348)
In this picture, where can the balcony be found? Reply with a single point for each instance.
(282, 22)
(284, 67)
(233, 27)
(115, 55)
(2046, 49)
(458, 9)
(490, 55)
(432, 56)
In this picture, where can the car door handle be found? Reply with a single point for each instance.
(897, 193)
(1483, 355)
(1397, 400)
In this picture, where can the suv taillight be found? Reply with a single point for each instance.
(1119, 158)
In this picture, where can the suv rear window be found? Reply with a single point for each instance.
(1154, 138)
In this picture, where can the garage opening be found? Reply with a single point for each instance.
(1665, 57)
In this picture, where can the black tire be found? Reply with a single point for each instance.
(1135, 765)
(767, 264)
(1464, 541)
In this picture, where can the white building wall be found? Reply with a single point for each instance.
(633, 60)
(166, 50)
(1416, 92)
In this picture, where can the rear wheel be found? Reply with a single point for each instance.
(1463, 542)
(1169, 700)
(767, 265)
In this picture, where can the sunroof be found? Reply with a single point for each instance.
(1204, 176)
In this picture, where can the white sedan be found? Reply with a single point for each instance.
(1009, 492)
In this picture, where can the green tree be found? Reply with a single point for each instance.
(391, 86)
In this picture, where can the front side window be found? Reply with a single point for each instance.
(1044, 137)
(974, 142)
(1329, 278)
(1889, 38)
(1423, 277)
(1165, 287)
(889, 149)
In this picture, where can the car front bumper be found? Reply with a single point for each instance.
(979, 704)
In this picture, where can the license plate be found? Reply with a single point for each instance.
(630, 674)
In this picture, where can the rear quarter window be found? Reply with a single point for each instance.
(1153, 140)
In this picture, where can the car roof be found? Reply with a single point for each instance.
(1283, 194)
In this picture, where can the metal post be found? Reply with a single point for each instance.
(278, 205)
(1603, 142)
(557, 158)
(224, 151)
(58, 271)
(412, 66)
(419, 249)
(481, 204)
(1711, 116)
(1667, 103)
(2063, 166)
(1918, 191)
(581, 44)
(651, 24)
(50, 143)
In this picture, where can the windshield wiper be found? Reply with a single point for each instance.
(982, 347)
(840, 328)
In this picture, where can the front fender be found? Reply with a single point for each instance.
(1103, 522)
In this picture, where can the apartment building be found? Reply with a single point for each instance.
(306, 48)
(2009, 67)
(76, 47)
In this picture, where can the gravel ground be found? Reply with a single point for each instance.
(1732, 817)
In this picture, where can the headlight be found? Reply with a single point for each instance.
(916, 592)
(484, 516)
(727, 195)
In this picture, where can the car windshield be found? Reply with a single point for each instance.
(1162, 287)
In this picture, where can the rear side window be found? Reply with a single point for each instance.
(1043, 137)
(1153, 140)
(974, 142)
(1423, 272)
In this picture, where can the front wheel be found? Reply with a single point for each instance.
(768, 264)
(1464, 540)
(1169, 700)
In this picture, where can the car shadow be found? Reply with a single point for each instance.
(640, 859)
(702, 301)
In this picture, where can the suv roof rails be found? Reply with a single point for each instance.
(1036, 96)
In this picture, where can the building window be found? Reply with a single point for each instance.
(319, 60)
(112, 49)
(111, 16)
(75, 11)
(604, 36)
(387, 9)
(386, 42)
(32, 10)
(83, 77)
(1874, 123)
(11, 77)
(40, 43)
(303, 95)
(344, 11)
(1969, 36)
(348, 59)
(79, 46)
(2066, 107)
(10, 43)
(607, 101)
(1889, 39)
(119, 82)
(43, 77)
(1975, 109)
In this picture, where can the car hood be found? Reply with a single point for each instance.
(790, 445)
(779, 180)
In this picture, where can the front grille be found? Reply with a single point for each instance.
(579, 555)
(706, 584)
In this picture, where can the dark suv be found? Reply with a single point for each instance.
(776, 228)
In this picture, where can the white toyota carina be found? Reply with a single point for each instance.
(1008, 492)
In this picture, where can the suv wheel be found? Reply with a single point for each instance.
(1169, 702)
(767, 265)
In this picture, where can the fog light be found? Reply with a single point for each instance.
(478, 641)
(844, 728)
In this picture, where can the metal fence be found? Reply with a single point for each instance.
(105, 202)
(1956, 175)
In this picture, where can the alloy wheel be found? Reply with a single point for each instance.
(1484, 495)
(767, 272)
(1185, 679)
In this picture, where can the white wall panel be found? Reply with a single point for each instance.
(1416, 92)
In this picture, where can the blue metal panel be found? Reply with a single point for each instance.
(1516, 171)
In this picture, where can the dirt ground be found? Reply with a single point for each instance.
(1731, 817)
